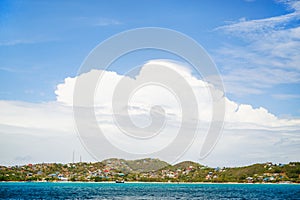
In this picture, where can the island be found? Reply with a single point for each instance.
(151, 170)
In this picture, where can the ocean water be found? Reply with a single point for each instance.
(147, 191)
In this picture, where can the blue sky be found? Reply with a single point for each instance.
(42, 42)
(254, 43)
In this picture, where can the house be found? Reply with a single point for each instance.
(208, 177)
(52, 175)
(62, 178)
(249, 179)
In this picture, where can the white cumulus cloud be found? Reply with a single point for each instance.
(42, 132)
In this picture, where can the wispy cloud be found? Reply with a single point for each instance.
(96, 21)
(247, 28)
(16, 42)
(286, 96)
(268, 54)
(106, 22)
(13, 70)
(8, 69)
(259, 26)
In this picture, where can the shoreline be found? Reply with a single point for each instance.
(141, 182)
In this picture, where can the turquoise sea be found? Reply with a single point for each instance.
(31, 190)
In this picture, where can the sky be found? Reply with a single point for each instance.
(255, 45)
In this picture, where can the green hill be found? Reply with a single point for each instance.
(151, 170)
(146, 165)
(187, 164)
(135, 166)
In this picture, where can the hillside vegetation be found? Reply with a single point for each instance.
(150, 170)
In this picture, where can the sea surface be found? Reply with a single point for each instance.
(31, 190)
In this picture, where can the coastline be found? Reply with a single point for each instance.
(141, 182)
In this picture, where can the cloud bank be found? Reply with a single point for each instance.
(45, 132)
